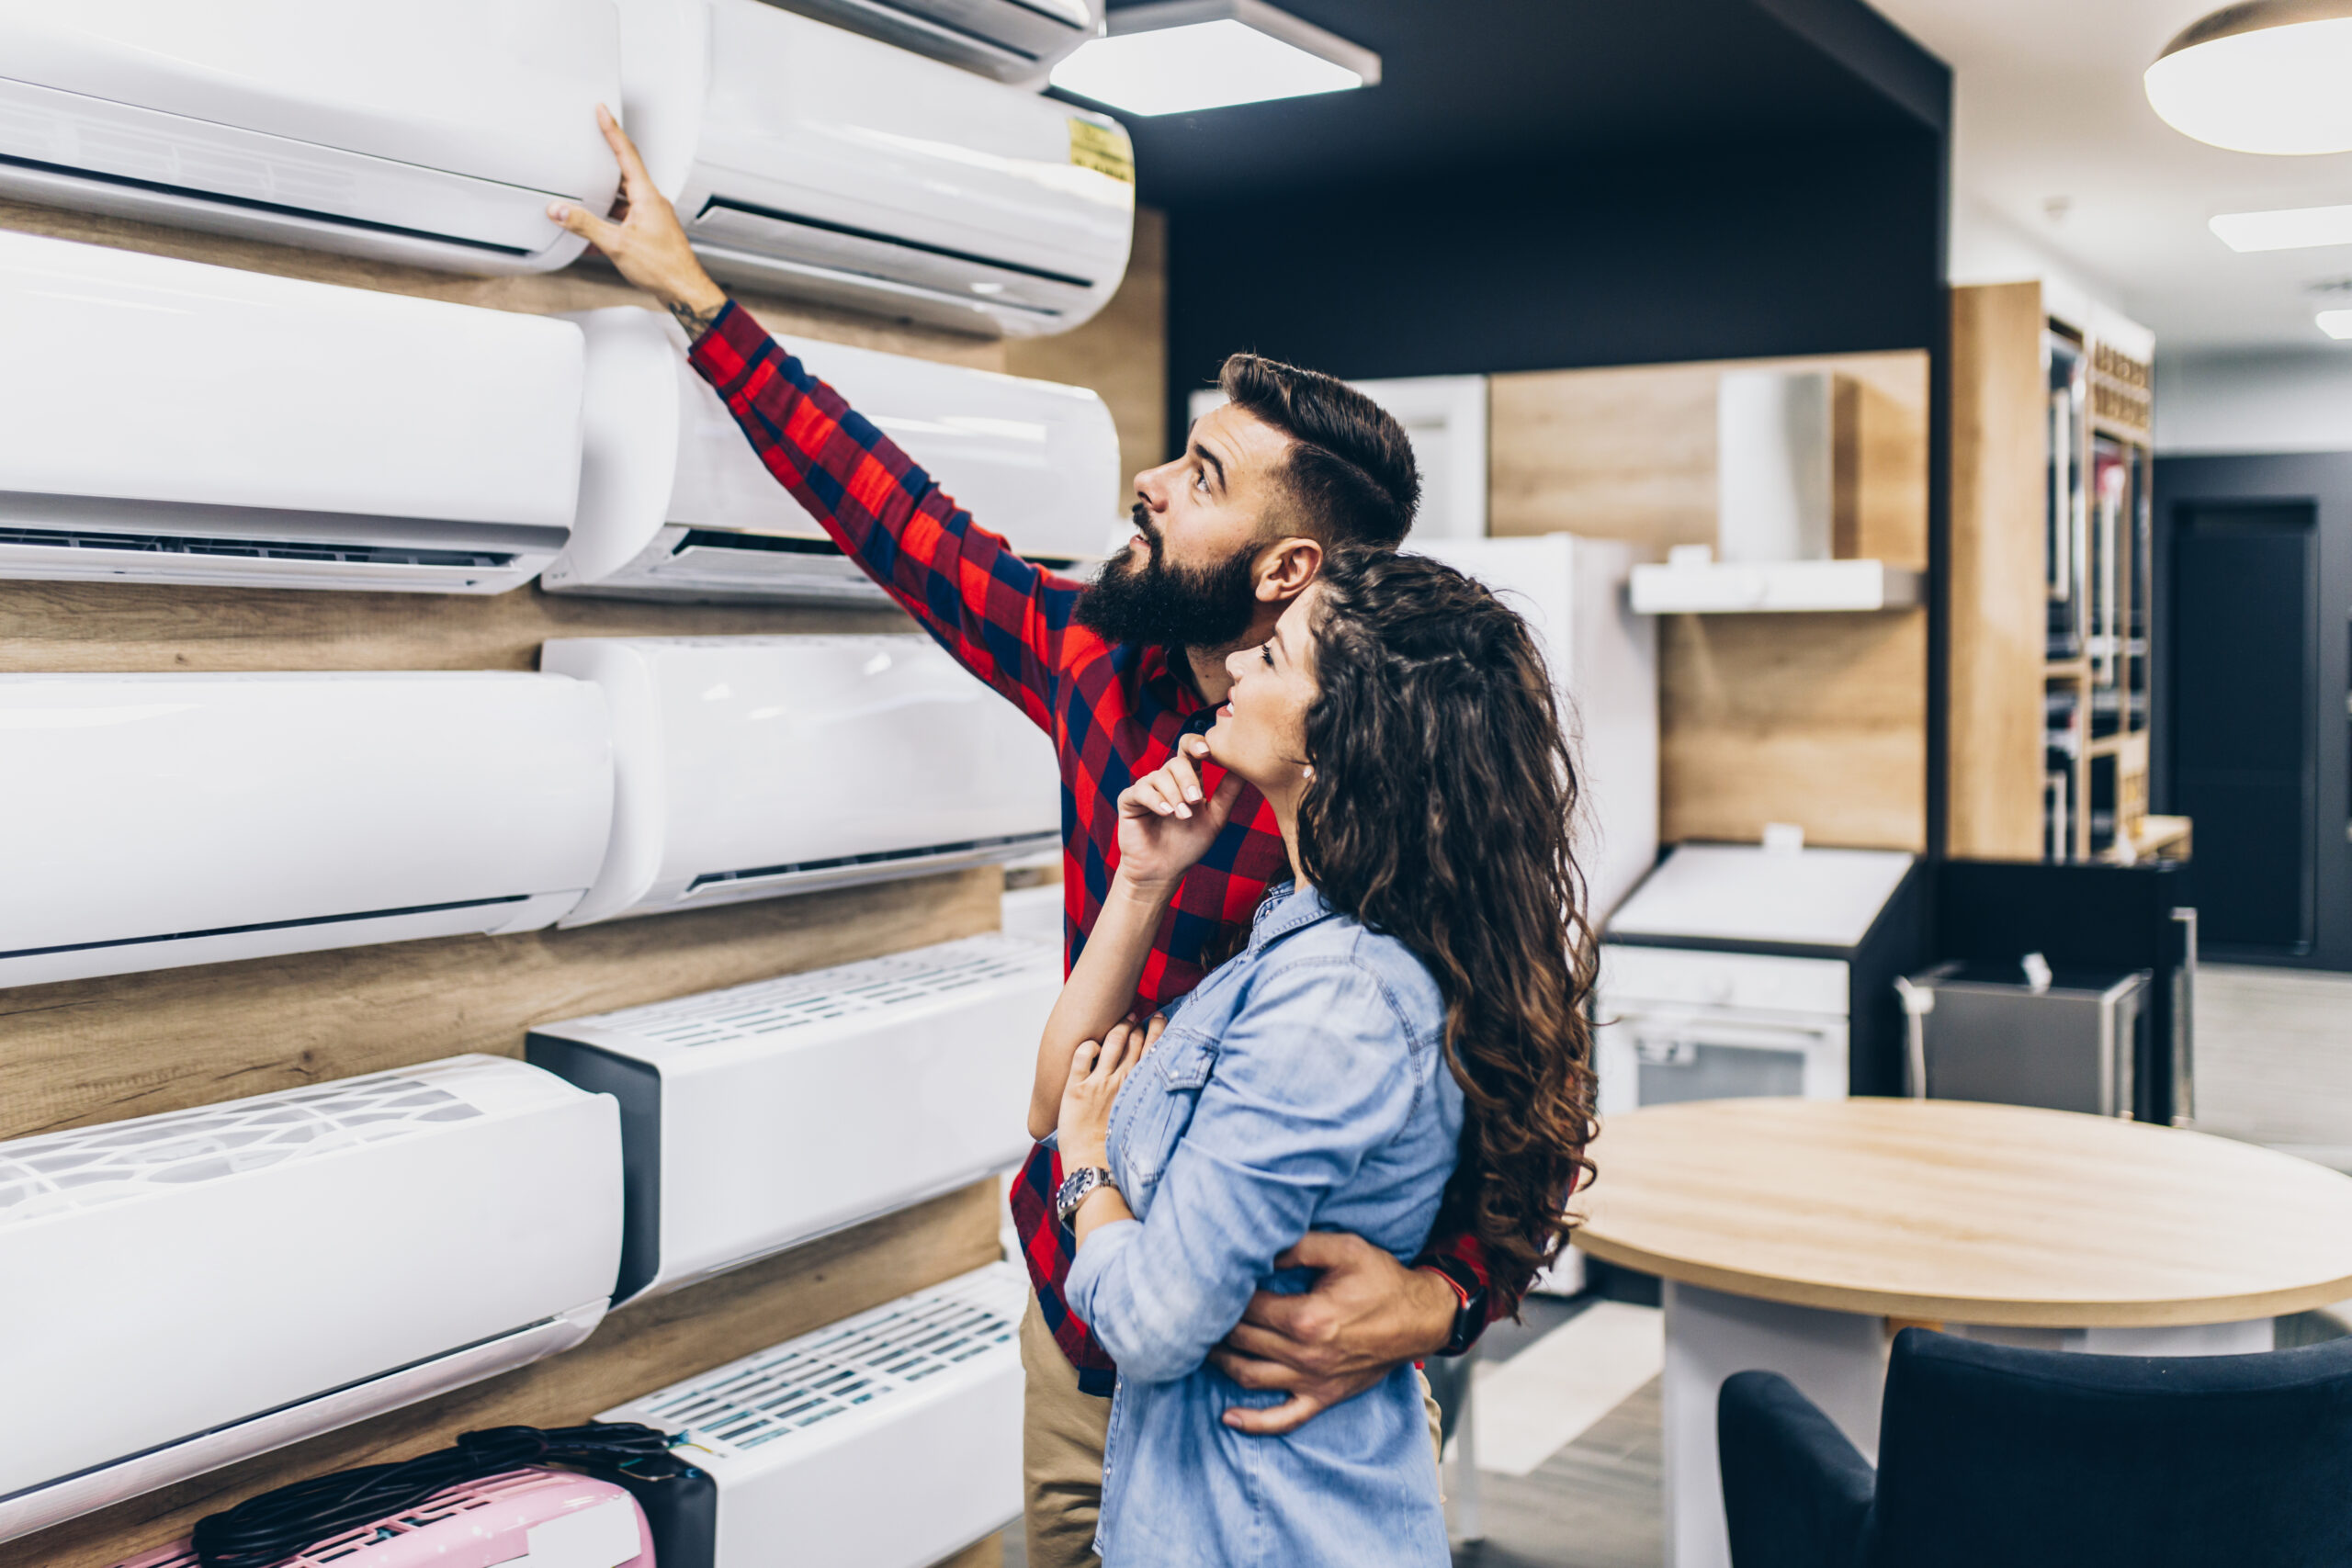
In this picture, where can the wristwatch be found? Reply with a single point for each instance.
(1076, 1186)
(1470, 1317)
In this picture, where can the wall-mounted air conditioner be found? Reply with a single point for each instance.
(191, 1289)
(674, 504)
(810, 160)
(747, 1113)
(523, 1519)
(432, 133)
(150, 821)
(890, 1439)
(1604, 662)
(179, 422)
(746, 767)
(1013, 40)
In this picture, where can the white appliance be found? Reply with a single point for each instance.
(216, 1282)
(151, 821)
(1604, 662)
(890, 1439)
(674, 503)
(812, 161)
(1012, 40)
(747, 767)
(173, 421)
(748, 1114)
(1739, 970)
(434, 132)
(1774, 460)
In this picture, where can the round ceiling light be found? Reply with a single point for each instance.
(2266, 76)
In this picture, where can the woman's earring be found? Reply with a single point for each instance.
(1310, 770)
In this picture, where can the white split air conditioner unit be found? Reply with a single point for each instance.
(198, 1287)
(746, 767)
(434, 132)
(890, 1439)
(150, 821)
(674, 504)
(746, 1114)
(1604, 665)
(812, 161)
(173, 421)
(1012, 40)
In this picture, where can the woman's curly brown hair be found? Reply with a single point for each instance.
(1439, 813)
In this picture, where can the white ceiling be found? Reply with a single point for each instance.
(2049, 112)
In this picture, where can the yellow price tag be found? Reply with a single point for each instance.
(1104, 149)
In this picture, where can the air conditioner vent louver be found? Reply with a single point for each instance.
(110, 1163)
(866, 1360)
(771, 1007)
(254, 549)
(922, 854)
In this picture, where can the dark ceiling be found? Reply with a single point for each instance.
(1487, 85)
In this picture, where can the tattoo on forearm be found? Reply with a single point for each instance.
(696, 322)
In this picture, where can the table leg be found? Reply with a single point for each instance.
(1837, 1359)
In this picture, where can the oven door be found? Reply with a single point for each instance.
(1649, 1054)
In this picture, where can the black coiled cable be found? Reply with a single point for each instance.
(273, 1526)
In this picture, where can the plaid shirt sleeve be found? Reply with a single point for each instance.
(999, 616)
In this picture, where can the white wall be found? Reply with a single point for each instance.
(2266, 400)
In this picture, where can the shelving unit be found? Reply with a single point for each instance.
(2053, 467)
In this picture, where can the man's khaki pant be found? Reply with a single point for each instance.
(1062, 1435)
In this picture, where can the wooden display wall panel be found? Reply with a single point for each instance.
(96, 1050)
(1819, 720)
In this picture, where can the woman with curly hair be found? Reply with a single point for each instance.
(1402, 1035)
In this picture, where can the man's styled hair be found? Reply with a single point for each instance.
(1349, 471)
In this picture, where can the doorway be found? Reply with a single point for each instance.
(2245, 657)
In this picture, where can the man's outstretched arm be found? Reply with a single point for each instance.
(996, 613)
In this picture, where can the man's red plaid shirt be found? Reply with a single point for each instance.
(1115, 711)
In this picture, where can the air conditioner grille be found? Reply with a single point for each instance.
(797, 1001)
(253, 549)
(113, 1162)
(873, 1357)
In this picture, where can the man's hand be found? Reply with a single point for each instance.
(1365, 1314)
(644, 240)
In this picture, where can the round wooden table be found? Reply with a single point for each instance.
(1797, 1235)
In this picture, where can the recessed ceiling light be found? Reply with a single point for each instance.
(2336, 323)
(2264, 76)
(2288, 228)
(1180, 56)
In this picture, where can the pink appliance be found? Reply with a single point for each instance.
(522, 1518)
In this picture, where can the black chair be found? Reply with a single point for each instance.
(2042, 1459)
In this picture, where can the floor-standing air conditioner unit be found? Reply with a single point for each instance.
(748, 1114)
(150, 821)
(1012, 40)
(190, 1288)
(887, 1440)
(433, 132)
(523, 1519)
(810, 160)
(1604, 662)
(674, 504)
(746, 767)
(173, 421)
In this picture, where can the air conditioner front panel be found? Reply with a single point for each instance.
(1010, 41)
(815, 1443)
(290, 1245)
(136, 809)
(461, 415)
(756, 765)
(446, 123)
(759, 1097)
(819, 147)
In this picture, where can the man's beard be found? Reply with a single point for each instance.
(1169, 606)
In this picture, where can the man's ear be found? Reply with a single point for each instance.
(1286, 567)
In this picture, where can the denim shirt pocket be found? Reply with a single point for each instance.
(1155, 1107)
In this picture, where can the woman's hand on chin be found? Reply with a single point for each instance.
(1167, 821)
(1096, 1072)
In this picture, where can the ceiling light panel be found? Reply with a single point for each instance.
(2263, 77)
(1183, 56)
(2288, 228)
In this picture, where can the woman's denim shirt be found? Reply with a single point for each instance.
(1301, 1086)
